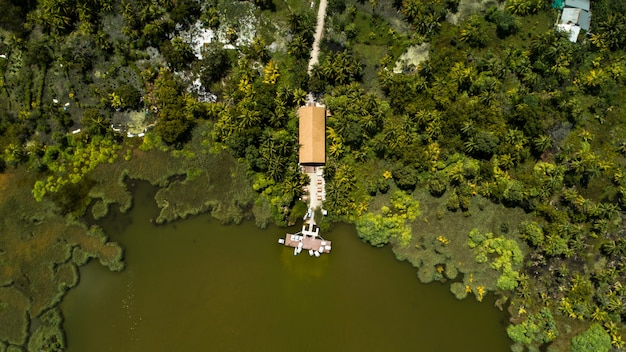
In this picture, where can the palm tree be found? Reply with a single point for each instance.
(411, 9)
(542, 143)
(248, 118)
(299, 96)
(13, 154)
(610, 33)
(469, 145)
(298, 46)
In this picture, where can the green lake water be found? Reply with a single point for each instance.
(195, 285)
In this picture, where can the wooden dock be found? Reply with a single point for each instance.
(307, 240)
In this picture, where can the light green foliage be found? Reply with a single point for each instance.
(150, 141)
(458, 289)
(75, 161)
(537, 329)
(594, 339)
(194, 172)
(378, 229)
(504, 253)
(405, 205)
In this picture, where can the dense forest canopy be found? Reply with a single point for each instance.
(474, 137)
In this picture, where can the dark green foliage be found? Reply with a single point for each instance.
(425, 16)
(473, 32)
(483, 144)
(437, 185)
(405, 177)
(130, 96)
(39, 53)
(337, 69)
(535, 330)
(297, 211)
(265, 4)
(94, 122)
(336, 6)
(177, 53)
(506, 23)
(215, 64)
(13, 16)
(610, 24)
(175, 124)
(185, 13)
(79, 52)
(301, 23)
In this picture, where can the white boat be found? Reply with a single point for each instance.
(281, 240)
(311, 252)
(317, 254)
(295, 251)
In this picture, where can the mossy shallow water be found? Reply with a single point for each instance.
(440, 250)
(40, 251)
(234, 288)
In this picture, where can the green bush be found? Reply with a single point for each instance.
(377, 229)
(458, 289)
(594, 339)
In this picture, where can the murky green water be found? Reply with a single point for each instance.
(198, 286)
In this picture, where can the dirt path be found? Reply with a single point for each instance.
(319, 30)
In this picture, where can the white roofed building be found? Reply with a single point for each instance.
(575, 16)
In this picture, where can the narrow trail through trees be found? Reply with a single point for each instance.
(319, 30)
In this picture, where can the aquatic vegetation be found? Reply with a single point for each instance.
(49, 335)
(431, 248)
(508, 256)
(499, 113)
(38, 263)
(14, 318)
(378, 229)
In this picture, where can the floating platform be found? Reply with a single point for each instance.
(307, 240)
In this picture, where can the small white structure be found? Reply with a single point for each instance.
(76, 131)
(581, 4)
(575, 16)
(572, 31)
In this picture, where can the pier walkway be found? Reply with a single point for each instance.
(315, 191)
(308, 239)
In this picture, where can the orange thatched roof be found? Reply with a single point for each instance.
(312, 134)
